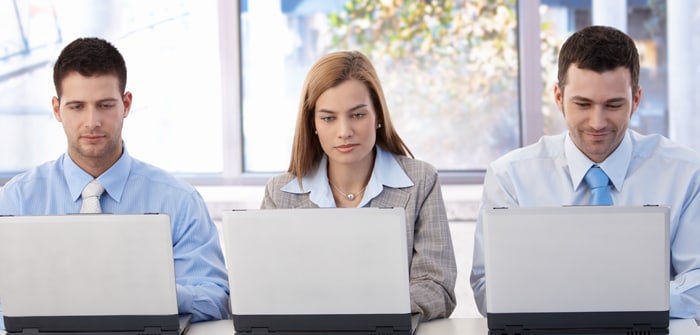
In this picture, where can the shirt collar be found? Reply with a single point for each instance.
(615, 166)
(386, 172)
(113, 180)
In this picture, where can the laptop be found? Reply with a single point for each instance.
(318, 271)
(89, 274)
(577, 270)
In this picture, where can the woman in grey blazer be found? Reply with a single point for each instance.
(346, 153)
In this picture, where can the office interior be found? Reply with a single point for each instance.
(216, 83)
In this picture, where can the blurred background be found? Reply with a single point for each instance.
(216, 84)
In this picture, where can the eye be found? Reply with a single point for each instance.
(75, 106)
(358, 115)
(327, 118)
(582, 104)
(107, 105)
(615, 106)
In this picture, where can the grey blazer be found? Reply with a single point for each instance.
(433, 270)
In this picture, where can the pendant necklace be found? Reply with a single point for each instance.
(349, 196)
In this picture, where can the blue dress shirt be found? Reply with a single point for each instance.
(132, 186)
(386, 172)
(643, 170)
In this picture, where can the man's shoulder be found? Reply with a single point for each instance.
(35, 175)
(659, 146)
(547, 147)
(149, 173)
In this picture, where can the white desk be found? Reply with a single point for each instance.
(476, 326)
(437, 327)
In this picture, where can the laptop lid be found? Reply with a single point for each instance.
(327, 270)
(586, 268)
(88, 273)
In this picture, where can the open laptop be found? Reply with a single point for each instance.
(577, 270)
(319, 270)
(89, 274)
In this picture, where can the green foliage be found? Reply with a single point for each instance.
(449, 69)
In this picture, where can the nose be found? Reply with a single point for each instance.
(345, 128)
(597, 118)
(93, 118)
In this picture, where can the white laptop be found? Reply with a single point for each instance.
(582, 269)
(88, 274)
(321, 270)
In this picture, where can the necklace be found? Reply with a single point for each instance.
(350, 196)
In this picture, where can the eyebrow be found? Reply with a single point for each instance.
(613, 100)
(98, 101)
(323, 110)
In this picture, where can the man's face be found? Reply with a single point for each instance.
(92, 111)
(597, 108)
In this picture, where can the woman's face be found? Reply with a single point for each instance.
(346, 123)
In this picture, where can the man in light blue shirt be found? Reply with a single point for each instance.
(91, 103)
(597, 93)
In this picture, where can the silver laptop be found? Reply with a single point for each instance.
(88, 274)
(583, 269)
(322, 270)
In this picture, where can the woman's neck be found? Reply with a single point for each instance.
(348, 181)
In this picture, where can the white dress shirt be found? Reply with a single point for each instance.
(644, 170)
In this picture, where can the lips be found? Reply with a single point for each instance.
(92, 138)
(346, 147)
(597, 135)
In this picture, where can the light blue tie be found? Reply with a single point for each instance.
(598, 182)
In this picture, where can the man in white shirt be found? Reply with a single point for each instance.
(598, 92)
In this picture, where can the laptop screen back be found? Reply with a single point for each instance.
(291, 269)
(585, 259)
(86, 267)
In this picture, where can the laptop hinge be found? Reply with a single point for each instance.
(383, 331)
(151, 330)
(259, 330)
(511, 330)
(637, 329)
(30, 331)
(640, 329)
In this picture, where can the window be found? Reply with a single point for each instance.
(449, 71)
(216, 84)
(172, 53)
(452, 71)
(644, 21)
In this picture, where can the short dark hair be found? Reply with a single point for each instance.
(89, 56)
(600, 49)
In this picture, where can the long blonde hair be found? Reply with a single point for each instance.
(330, 71)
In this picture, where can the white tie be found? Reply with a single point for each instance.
(91, 197)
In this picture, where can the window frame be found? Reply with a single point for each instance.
(531, 125)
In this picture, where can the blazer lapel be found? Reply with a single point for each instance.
(306, 203)
(391, 197)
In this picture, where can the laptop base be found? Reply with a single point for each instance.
(608, 323)
(358, 324)
(98, 325)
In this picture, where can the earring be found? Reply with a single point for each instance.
(315, 131)
(379, 125)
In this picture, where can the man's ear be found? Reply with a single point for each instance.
(559, 97)
(56, 106)
(126, 99)
(636, 99)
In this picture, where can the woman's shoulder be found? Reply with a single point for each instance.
(415, 167)
(280, 180)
